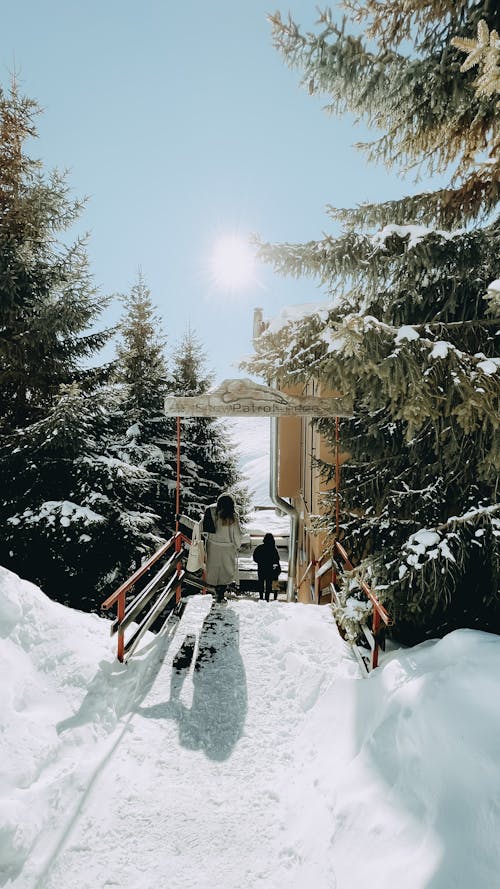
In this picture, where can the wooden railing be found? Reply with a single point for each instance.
(380, 616)
(171, 574)
(168, 581)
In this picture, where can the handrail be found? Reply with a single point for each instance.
(150, 618)
(125, 616)
(285, 507)
(306, 572)
(110, 601)
(379, 612)
(145, 595)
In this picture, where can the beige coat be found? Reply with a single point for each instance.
(222, 548)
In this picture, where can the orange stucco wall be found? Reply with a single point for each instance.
(298, 479)
(289, 436)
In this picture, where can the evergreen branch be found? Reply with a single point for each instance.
(450, 325)
(382, 19)
(485, 53)
(472, 515)
(474, 198)
(422, 106)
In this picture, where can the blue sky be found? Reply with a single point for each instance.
(182, 125)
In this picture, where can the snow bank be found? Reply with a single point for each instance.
(267, 763)
(55, 662)
(408, 771)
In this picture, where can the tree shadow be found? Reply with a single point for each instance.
(214, 722)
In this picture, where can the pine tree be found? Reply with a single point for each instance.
(208, 457)
(485, 53)
(59, 489)
(145, 437)
(427, 113)
(73, 523)
(407, 335)
(47, 300)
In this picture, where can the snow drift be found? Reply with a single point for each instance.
(268, 761)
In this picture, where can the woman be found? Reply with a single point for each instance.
(223, 535)
(268, 565)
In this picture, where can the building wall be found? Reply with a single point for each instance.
(300, 481)
(289, 439)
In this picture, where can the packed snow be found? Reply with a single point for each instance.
(251, 437)
(267, 762)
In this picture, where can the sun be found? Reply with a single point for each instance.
(232, 263)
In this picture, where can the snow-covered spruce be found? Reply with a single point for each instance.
(409, 337)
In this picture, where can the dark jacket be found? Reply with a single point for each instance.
(208, 519)
(268, 562)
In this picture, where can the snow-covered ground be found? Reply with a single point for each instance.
(272, 766)
(251, 437)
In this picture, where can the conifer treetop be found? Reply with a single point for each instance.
(429, 117)
(141, 361)
(48, 301)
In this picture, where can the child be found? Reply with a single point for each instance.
(268, 565)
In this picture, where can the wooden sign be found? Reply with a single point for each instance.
(244, 398)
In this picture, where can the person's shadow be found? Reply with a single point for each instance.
(214, 722)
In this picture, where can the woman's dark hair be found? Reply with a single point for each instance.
(268, 540)
(225, 509)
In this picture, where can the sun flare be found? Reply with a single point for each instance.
(232, 263)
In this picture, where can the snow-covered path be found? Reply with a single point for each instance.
(193, 787)
(273, 765)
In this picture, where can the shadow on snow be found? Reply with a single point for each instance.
(215, 720)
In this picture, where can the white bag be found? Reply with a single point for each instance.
(196, 557)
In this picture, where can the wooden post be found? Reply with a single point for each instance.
(337, 478)
(375, 631)
(178, 480)
(121, 631)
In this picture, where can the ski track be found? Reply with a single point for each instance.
(196, 774)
